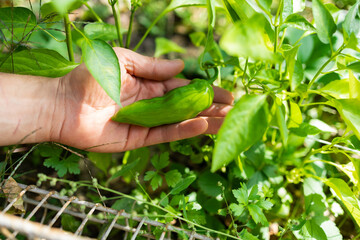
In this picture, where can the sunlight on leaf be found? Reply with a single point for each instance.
(103, 64)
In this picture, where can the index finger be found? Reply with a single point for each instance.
(148, 67)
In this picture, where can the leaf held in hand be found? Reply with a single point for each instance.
(103, 64)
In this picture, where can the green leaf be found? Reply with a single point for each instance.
(287, 8)
(256, 154)
(295, 115)
(238, 9)
(237, 209)
(299, 22)
(17, 20)
(125, 169)
(354, 86)
(70, 164)
(142, 155)
(156, 181)
(198, 38)
(311, 230)
(232, 12)
(294, 69)
(244, 234)
(354, 66)
(65, 6)
(241, 194)
(209, 183)
(249, 39)
(265, 204)
(182, 185)
(49, 13)
(257, 214)
(49, 150)
(123, 204)
(39, 62)
(305, 129)
(337, 89)
(172, 177)
(103, 64)
(69, 223)
(184, 3)
(351, 23)
(244, 125)
(350, 112)
(266, 4)
(196, 216)
(330, 229)
(347, 197)
(103, 31)
(325, 24)
(165, 46)
(281, 122)
(101, 160)
(149, 175)
(160, 162)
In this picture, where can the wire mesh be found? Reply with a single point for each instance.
(44, 209)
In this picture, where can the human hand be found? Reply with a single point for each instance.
(84, 109)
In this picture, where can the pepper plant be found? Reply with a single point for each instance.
(285, 163)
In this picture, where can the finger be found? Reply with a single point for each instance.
(216, 110)
(214, 124)
(186, 129)
(148, 67)
(220, 95)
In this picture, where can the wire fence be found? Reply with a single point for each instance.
(41, 219)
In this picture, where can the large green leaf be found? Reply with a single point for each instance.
(350, 111)
(249, 39)
(164, 46)
(39, 62)
(354, 66)
(337, 89)
(65, 6)
(347, 197)
(352, 20)
(17, 20)
(103, 64)
(244, 125)
(299, 22)
(238, 9)
(103, 31)
(354, 86)
(325, 25)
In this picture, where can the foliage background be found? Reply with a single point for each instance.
(284, 185)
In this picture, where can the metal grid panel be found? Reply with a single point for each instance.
(37, 207)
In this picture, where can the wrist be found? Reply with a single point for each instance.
(28, 108)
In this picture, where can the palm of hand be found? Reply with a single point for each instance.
(87, 108)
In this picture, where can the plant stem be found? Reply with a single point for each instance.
(243, 77)
(325, 64)
(149, 29)
(117, 25)
(128, 36)
(68, 37)
(93, 12)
